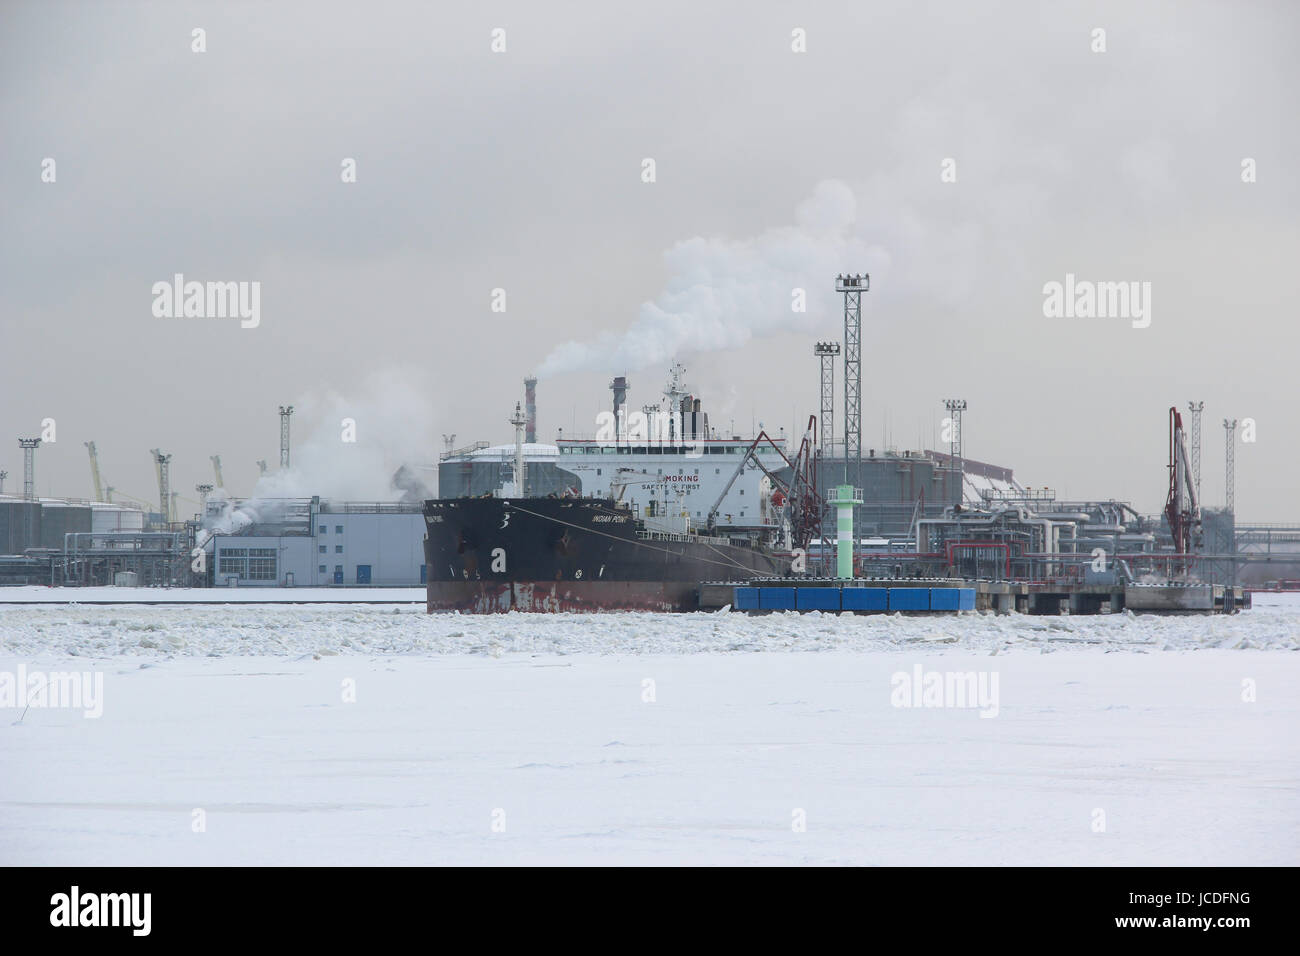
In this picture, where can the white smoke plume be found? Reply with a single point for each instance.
(394, 428)
(723, 292)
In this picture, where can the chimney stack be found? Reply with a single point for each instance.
(530, 410)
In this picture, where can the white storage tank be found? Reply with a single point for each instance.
(106, 517)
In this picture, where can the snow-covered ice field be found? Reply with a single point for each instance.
(531, 739)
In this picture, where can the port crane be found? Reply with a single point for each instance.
(94, 470)
(216, 469)
(1182, 509)
(798, 498)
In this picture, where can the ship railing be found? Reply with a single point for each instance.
(371, 507)
(464, 450)
(677, 536)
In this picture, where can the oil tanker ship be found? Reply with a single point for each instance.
(632, 519)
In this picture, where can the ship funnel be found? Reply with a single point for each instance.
(619, 388)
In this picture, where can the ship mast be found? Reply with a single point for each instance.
(674, 394)
(519, 421)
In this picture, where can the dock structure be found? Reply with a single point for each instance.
(954, 595)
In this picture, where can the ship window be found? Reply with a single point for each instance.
(742, 491)
(324, 529)
(717, 471)
(338, 569)
(338, 548)
(697, 471)
(321, 568)
(598, 471)
(323, 548)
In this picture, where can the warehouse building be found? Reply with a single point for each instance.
(315, 543)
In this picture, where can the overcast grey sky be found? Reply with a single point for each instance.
(522, 170)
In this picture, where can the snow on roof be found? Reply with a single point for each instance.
(532, 450)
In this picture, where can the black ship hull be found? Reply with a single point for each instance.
(490, 555)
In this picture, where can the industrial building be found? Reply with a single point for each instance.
(34, 533)
(310, 542)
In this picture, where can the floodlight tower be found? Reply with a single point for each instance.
(3, 476)
(955, 407)
(204, 490)
(826, 351)
(1196, 408)
(285, 412)
(852, 286)
(1230, 464)
(29, 446)
(261, 467)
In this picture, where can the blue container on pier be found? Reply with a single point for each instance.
(776, 599)
(818, 599)
(945, 599)
(864, 599)
(909, 599)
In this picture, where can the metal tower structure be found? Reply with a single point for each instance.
(826, 351)
(261, 466)
(108, 493)
(955, 407)
(1196, 408)
(203, 490)
(94, 470)
(29, 446)
(1230, 454)
(853, 286)
(3, 476)
(285, 412)
(163, 465)
(171, 515)
(216, 470)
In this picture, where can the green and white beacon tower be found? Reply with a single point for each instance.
(845, 498)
